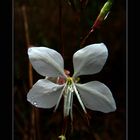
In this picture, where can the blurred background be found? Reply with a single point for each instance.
(61, 25)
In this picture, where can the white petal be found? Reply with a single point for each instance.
(46, 61)
(97, 96)
(44, 94)
(90, 60)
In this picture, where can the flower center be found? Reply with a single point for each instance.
(69, 80)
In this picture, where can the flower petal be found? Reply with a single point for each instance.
(90, 59)
(44, 94)
(97, 96)
(46, 61)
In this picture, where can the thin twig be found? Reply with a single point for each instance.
(85, 38)
(34, 132)
(27, 43)
(61, 28)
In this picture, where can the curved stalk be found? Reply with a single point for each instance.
(101, 17)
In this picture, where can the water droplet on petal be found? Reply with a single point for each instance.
(34, 103)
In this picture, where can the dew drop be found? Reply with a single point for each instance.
(34, 103)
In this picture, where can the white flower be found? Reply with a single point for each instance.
(89, 60)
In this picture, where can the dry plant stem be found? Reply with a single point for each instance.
(34, 112)
(61, 28)
(27, 43)
(62, 52)
(37, 122)
(96, 136)
(19, 126)
(33, 134)
(20, 114)
(64, 130)
(22, 130)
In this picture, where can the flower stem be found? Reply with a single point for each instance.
(100, 18)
